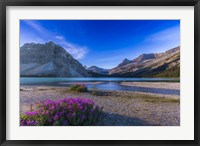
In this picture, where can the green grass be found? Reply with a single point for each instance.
(144, 97)
(139, 96)
(95, 92)
(150, 98)
(79, 88)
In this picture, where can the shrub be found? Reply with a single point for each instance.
(94, 91)
(79, 88)
(65, 112)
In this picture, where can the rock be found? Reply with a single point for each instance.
(144, 57)
(49, 59)
(165, 64)
(124, 62)
(98, 70)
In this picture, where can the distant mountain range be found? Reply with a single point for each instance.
(51, 60)
(165, 64)
(98, 70)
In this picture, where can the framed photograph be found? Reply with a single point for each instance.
(99, 72)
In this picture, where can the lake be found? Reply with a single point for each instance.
(107, 83)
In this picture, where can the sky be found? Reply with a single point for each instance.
(103, 43)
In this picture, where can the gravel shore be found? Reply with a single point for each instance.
(121, 108)
(162, 85)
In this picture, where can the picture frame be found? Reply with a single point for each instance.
(103, 3)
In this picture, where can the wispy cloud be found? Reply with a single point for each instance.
(59, 37)
(34, 25)
(78, 52)
(169, 34)
(161, 41)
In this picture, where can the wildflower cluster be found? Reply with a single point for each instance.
(79, 88)
(65, 112)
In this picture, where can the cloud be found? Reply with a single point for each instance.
(169, 34)
(34, 25)
(160, 41)
(78, 52)
(59, 37)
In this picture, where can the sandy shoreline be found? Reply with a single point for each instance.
(121, 108)
(39, 88)
(162, 85)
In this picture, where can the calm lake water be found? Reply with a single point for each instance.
(107, 83)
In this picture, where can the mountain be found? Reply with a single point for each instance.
(98, 70)
(124, 62)
(173, 50)
(49, 59)
(165, 64)
(144, 57)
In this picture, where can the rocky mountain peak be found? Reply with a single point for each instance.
(50, 43)
(124, 62)
(173, 50)
(166, 64)
(144, 57)
(98, 70)
(48, 59)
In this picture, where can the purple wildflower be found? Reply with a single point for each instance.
(67, 111)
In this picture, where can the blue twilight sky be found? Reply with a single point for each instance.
(104, 43)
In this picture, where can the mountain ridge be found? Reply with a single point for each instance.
(48, 59)
(149, 64)
(124, 62)
(51, 60)
(98, 70)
